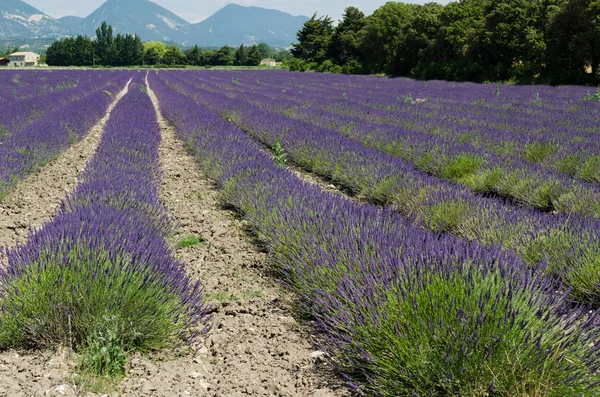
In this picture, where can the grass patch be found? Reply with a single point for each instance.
(569, 164)
(87, 382)
(220, 297)
(253, 294)
(72, 137)
(190, 241)
(447, 216)
(279, 155)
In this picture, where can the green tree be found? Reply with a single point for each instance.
(154, 52)
(117, 52)
(71, 51)
(240, 56)
(104, 43)
(57, 53)
(454, 54)
(573, 37)
(173, 56)
(384, 35)
(129, 49)
(280, 56)
(265, 50)
(345, 43)
(223, 57)
(192, 56)
(509, 39)
(254, 56)
(313, 39)
(420, 37)
(137, 51)
(83, 51)
(206, 57)
(9, 50)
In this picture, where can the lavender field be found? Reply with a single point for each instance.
(438, 239)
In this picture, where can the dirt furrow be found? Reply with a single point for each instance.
(255, 347)
(36, 198)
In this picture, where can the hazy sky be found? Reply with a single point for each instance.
(197, 10)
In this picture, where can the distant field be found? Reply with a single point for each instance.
(441, 239)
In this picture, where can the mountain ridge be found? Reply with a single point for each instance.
(18, 18)
(143, 17)
(233, 24)
(226, 23)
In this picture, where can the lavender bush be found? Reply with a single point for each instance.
(518, 159)
(101, 272)
(17, 115)
(399, 310)
(16, 85)
(27, 150)
(438, 205)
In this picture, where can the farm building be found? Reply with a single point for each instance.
(4, 61)
(269, 62)
(19, 59)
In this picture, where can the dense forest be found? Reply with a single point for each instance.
(551, 41)
(106, 49)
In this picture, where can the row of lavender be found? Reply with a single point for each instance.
(19, 114)
(509, 112)
(100, 276)
(567, 246)
(530, 160)
(43, 140)
(399, 310)
(451, 102)
(18, 84)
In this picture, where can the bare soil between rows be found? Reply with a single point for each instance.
(255, 348)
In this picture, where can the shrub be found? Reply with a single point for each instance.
(190, 241)
(103, 354)
(297, 65)
(66, 295)
(458, 330)
(536, 152)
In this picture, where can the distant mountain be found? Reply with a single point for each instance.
(19, 19)
(235, 25)
(232, 25)
(71, 22)
(143, 17)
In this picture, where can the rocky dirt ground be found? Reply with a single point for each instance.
(255, 347)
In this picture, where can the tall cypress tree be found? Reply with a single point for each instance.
(314, 39)
(254, 56)
(104, 43)
(240, 56)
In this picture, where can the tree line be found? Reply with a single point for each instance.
(551, 41)
(106, 49)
